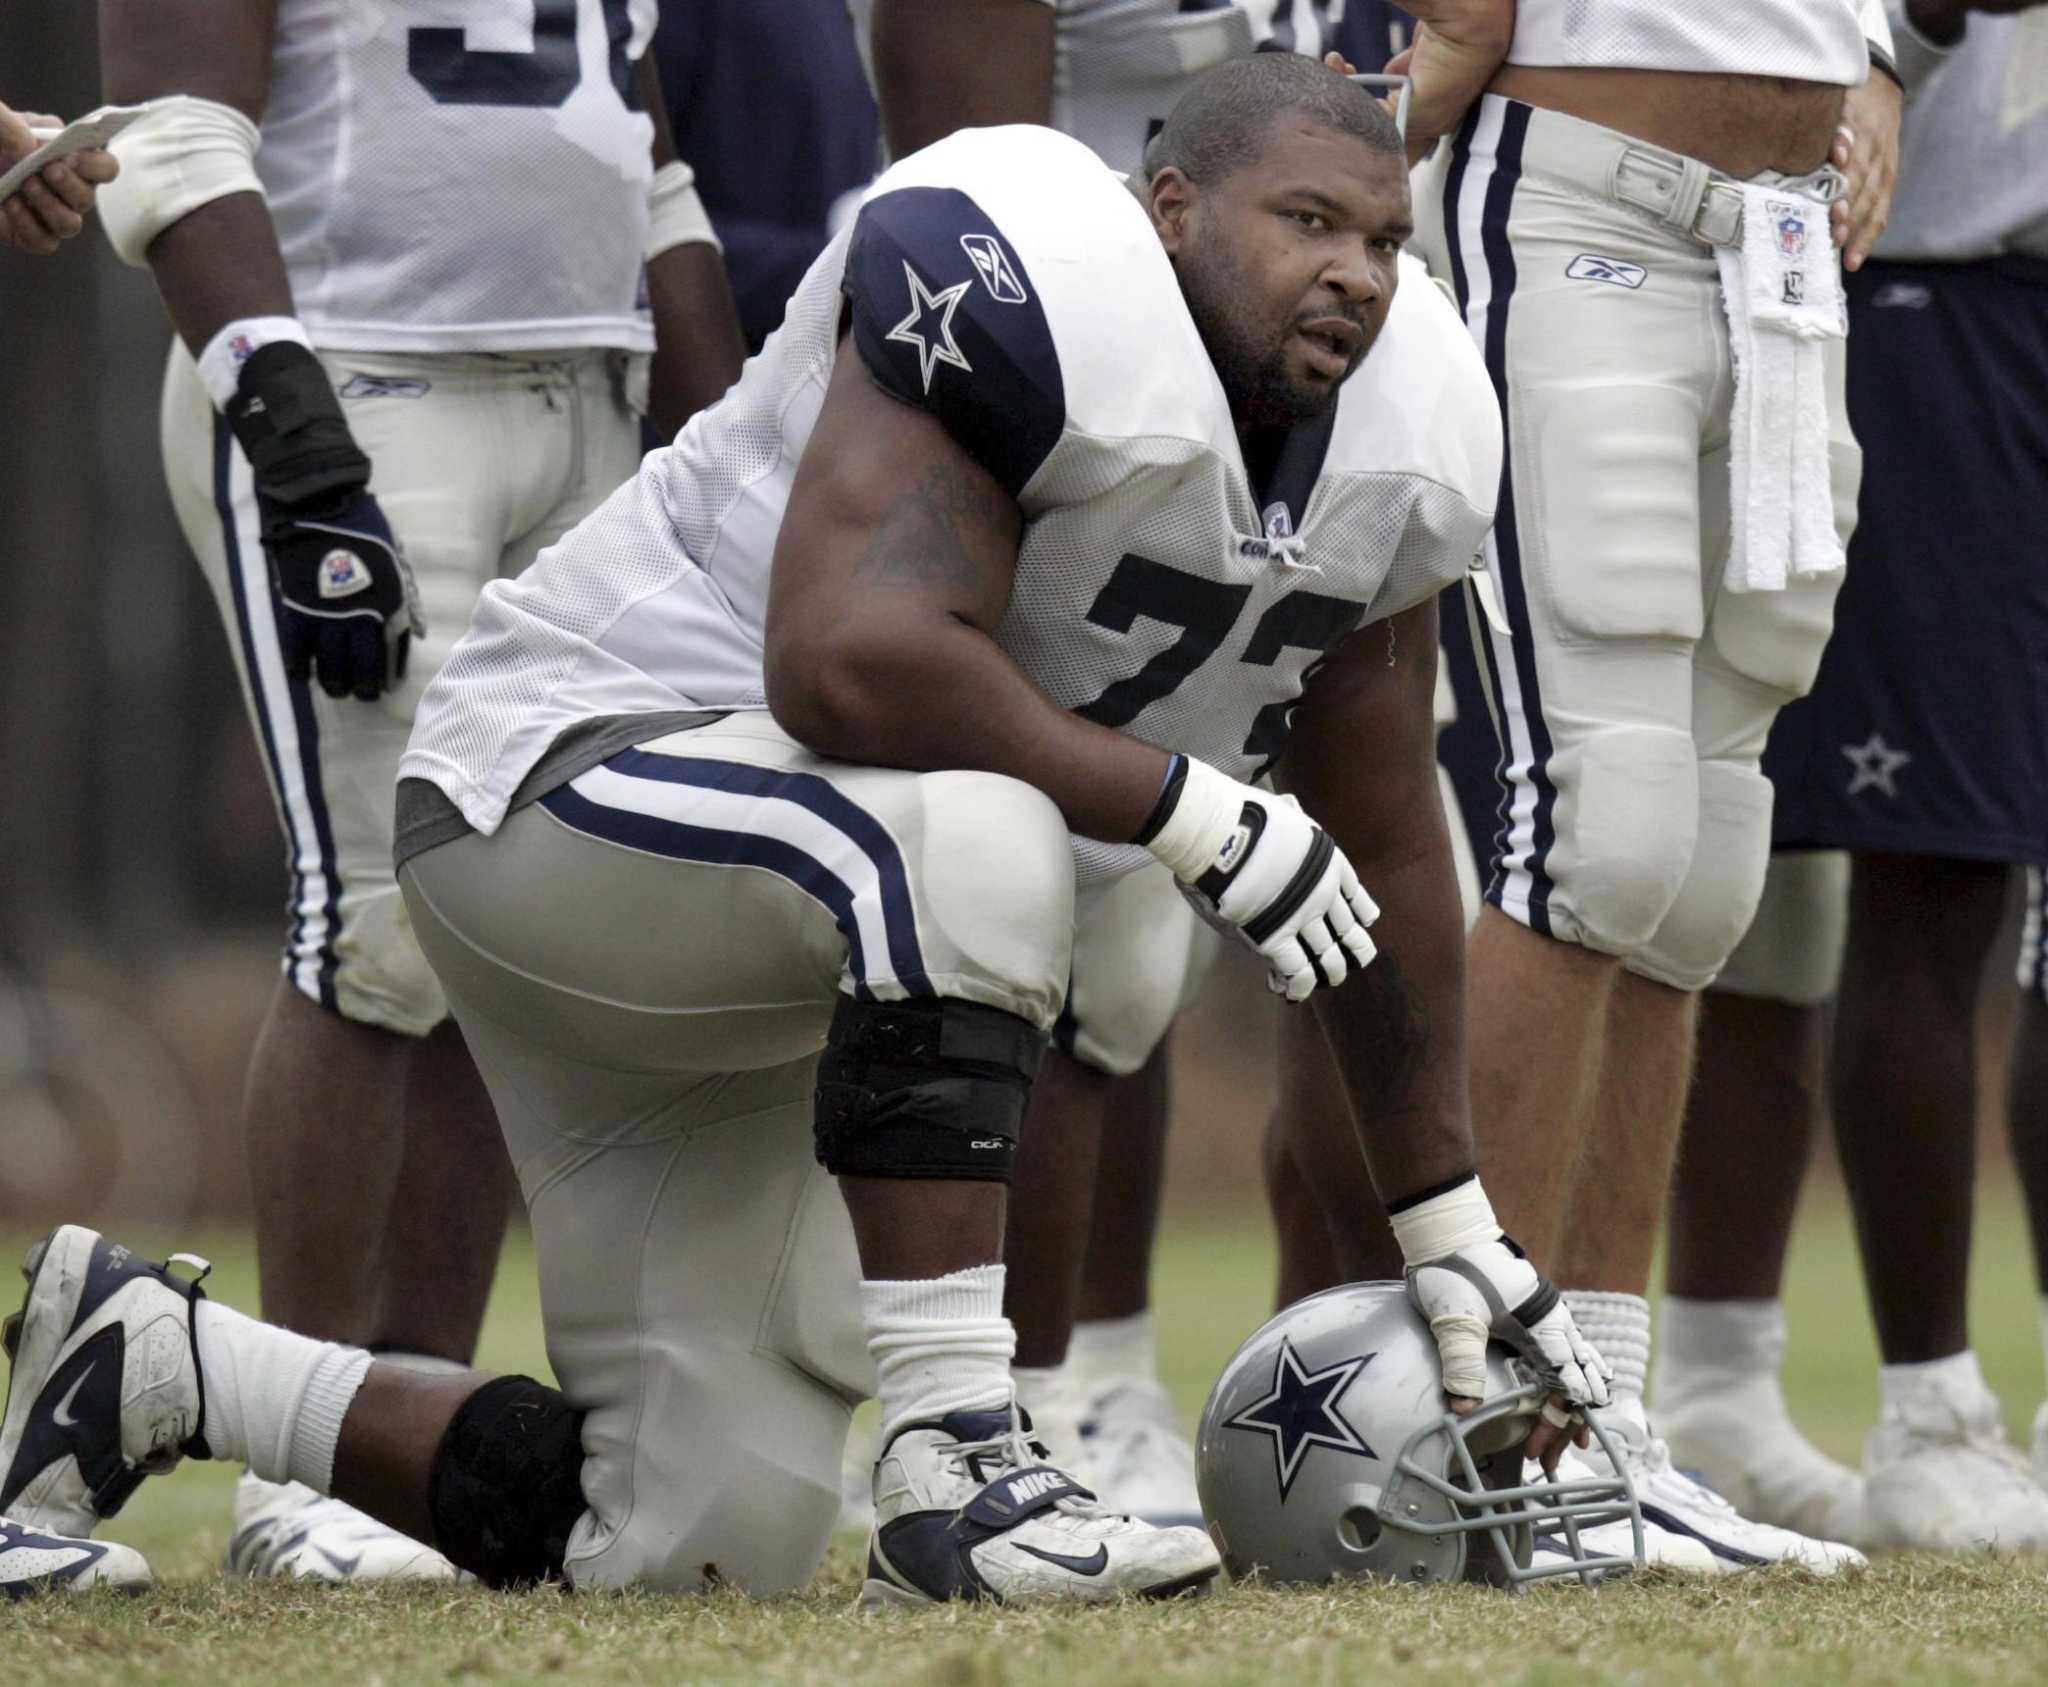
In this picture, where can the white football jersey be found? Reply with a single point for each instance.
(1013, 287)
(461, 175)
(1806, 40)
(1120, 65)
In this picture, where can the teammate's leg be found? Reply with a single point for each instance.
(1055, 1191)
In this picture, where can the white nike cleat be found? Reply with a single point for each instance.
(285, 1529)
(1666, 1549)
(105, 1388)
(966, 1509)
(1136, 1457)
(1940, 1475)
(1681, 1504)
(1741, 1441)
(33, 1562)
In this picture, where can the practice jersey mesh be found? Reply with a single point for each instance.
(1152, 594)
(460, 175)
(1807, 40)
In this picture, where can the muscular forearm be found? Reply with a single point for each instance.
(1397, 1029)
(220, 265)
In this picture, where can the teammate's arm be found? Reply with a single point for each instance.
(50, 207)
(932, 62)
(1458, 45)
(698, 343)
(1361, 757)
(190, 205)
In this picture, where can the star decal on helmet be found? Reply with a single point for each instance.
(1301, 1412)
(929, 326)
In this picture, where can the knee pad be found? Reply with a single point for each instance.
(1719, 897)
(1628, 823)
(927, 1088)
(507, 1483)
(1792, 951)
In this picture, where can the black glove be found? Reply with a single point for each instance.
(346, 605)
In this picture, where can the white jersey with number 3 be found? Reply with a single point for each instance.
(1009, 285)
(461, 175)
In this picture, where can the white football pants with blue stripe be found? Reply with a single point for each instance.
(644, 963)
(479, 461)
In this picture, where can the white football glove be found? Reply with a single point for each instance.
(1473, 1285)
(1253, 863)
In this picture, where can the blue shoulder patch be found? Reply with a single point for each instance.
(947, 319)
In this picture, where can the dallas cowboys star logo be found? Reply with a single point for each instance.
(1300, 1412)
(929, 326)
(1875, 762)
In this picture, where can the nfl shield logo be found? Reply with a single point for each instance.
(342, 574)
(1791, 225)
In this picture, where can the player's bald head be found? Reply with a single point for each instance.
(1221, 123)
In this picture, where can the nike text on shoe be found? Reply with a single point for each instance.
(285, 1529)
(965, 1508)
(105, 1388)
(33, 1562)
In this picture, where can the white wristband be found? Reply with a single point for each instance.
(675, 215)
(220, 364)
(1210, 808)
(1440, 1226)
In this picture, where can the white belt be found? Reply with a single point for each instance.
(1682, 193)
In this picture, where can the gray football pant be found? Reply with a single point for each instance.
(644, 965)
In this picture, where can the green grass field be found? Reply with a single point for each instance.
(1907, 1620)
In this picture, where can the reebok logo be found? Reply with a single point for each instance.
(993, 266)
(1590, 266)
(1025, 1489)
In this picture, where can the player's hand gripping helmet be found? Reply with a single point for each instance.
(1327, 1449)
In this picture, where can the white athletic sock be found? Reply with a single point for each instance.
(1904, 1391)
(1707, 1346)
(940, 1345)
(1618, 1326)
(274, 1400)
(1111, 1350)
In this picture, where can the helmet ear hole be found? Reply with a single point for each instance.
(1359, 1529)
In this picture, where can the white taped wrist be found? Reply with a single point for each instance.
(1440, 1226)
(675, 215)
(184, 154)
(1210, 808)
(220, 364)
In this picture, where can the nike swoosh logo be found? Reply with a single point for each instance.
(1093, 1565)
(63, 1412)
(343, 1566)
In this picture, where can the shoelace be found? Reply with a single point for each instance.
(1015, 1451)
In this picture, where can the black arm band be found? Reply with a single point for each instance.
(1882, 60)
(1169, 795)
(290, 424)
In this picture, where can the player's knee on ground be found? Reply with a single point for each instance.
(1792, 951)
(378, 975)
(1719, 897)
(1627, 820)
(506, 1488)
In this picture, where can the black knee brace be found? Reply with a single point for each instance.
(508, 1483)
(925, 1088)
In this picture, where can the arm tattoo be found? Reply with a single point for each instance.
(941, 533)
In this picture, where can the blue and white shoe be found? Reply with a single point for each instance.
(966, 1508)
(105, 1388)
(285, 1529)
(33, 1562)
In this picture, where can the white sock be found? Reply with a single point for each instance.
(1111, 1350)
(1707, 1346)
(1047, 1394)
(1619, 1327)
(1957, 1380)
(274, 1400)
(940, 1345)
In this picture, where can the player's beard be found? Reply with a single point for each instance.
(1249, 356)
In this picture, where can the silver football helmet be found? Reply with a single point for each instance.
(1327, 1450)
